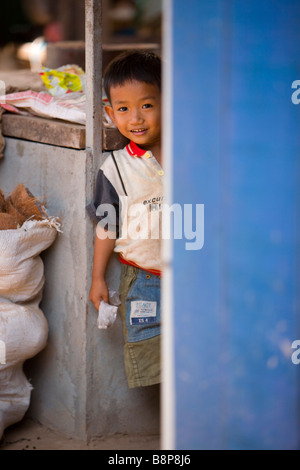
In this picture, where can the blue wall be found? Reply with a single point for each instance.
(236, 150)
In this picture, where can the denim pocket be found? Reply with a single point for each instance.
(143, 307)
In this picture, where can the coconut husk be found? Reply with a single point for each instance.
(11, 210)
(7, 222)
(25, 203)
(2, 202)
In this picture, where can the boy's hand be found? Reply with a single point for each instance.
(102, 252)
(98, 292)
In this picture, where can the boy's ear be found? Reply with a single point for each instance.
(110, 113)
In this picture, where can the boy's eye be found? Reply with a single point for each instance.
(147, 105)
(122, 109)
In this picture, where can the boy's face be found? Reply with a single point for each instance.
(136, 112)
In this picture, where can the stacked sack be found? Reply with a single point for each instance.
(25, 231)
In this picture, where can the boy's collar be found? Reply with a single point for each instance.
(134, 150)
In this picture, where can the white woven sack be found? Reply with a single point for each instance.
(24, 330)
(21, 269)
(23, 327)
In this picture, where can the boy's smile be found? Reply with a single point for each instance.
(136, 112)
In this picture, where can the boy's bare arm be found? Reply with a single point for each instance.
(102, 252)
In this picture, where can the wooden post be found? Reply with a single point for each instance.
(93, 70)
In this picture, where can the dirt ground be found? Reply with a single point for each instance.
(29, 435)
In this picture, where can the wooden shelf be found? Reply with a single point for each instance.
(55, 132)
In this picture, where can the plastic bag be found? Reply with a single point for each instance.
(65, 79)
(108, 312)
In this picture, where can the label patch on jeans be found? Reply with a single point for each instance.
(142, 312)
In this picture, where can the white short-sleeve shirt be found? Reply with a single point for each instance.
(131, 181)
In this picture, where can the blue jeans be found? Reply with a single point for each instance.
(140, 291)
(140, 313)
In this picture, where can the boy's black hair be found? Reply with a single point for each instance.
(140, 65)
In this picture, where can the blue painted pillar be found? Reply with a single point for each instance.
(236, 149)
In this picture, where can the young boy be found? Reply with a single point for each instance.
(130, 180)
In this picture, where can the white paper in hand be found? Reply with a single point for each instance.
(108, 312)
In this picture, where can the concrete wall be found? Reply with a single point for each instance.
(79, 380)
